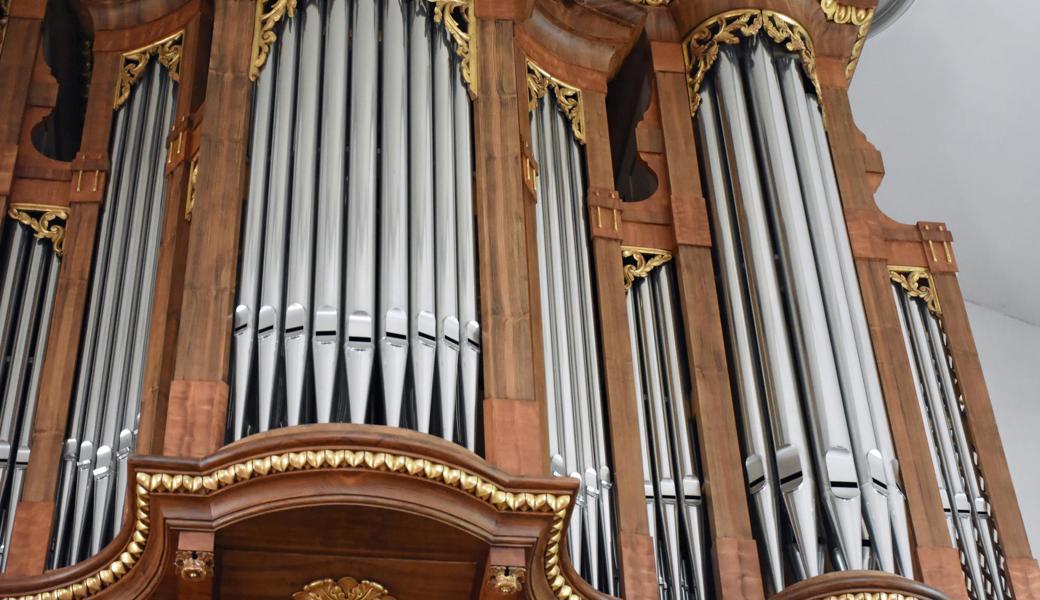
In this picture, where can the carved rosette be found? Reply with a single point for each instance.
(460, 21)
(639, 262)
(134, 63)
(701, 47)
(193, 565)
(507, 581)
(851, 15)
(346, 588)
(568, 97)
(48, 222)
(917, 282)
(268, 14)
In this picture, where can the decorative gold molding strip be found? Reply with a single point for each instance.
(645, 261)
(870, 596)
(452, 13)
(193, 180)
(347, 588)
(263, 31)
(568, 97)
(134, 63)
(917, 281)
(149, 483)
(41, 219)
(701, 47)
(852, 15)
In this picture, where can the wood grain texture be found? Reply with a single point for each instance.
(838, 584)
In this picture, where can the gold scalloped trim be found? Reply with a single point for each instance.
(451, 13)
(871, 596)
(918, 283)
(645, 261)
(701, 47)
(851, 15)
(568, 97)
(134, 63)
(147, 484)
(43, 223)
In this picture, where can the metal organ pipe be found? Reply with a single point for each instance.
(362, 136)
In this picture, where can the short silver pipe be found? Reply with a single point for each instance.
(792, 452)
(300, 276)
(328, 266)
(761, 477)
(359, 346)
(393, 206)
(422, 322)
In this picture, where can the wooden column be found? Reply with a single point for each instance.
(32, 526)
(737, 570)
(635, 546)
(198, 397)
(514, 383)
(938, 559)
(982, 430)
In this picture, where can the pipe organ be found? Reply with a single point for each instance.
(477, 299)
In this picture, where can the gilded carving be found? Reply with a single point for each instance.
(460, 21)
(263, 31)
(47, 221)
(643, 261)
(568, 97)
(346, 588)
(917, 282)
(193, 179)
(870, 596)
(701, 47)
(193, 565)
(134, 63)
(507, 581)
(149, 483)
(852, 15)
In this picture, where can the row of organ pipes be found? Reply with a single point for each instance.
(105, 409)
(357, 296)
(27, 284)
(961, 487)
(820, 463)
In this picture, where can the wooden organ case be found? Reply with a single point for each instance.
(362, 299)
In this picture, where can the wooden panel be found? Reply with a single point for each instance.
(195, 420)
(1025, 578)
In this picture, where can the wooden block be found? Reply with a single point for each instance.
(195, 418)
(33, 523)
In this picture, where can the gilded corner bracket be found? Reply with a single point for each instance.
(639, 262)
(701, 46)
(48, 222)
(851, 15)
(918, 283)
(268, 14)
(134, 63)
(568, 97)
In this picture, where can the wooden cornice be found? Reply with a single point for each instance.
(868, 585)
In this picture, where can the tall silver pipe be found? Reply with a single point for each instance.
(393, 251)
(469, 320)
(794, 465)
(761, 477)
(301, 223)
(270, 319)
(422, 299)
(252, 251)
(870, 465)
(361, 208)
(868, 363)
(328, 242)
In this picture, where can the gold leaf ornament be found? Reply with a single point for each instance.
(135, 62)
(263, 31)
(568, 97)
(346, 588)
(48, 222)
(639, 262)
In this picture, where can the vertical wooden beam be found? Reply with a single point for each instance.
(514, 395)
(197, 405)
(737, 570)
(938, 560)
(982, 429)
(31, 537)
(636, 549)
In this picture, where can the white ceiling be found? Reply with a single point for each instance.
(950, 95)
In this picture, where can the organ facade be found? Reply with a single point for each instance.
(363, 299)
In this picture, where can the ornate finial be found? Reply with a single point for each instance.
(918, 283)
(643, 260)
(193, 565)
(454, 14)
(193, 179)
(41, 218)
(507, 581)
(701, 47)
(568, 97)
(852, 15)
(135, 62)
(346, 588)
(263, 31)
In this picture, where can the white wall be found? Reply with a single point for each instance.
(1010, 353)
